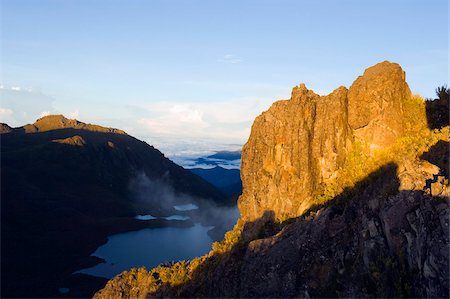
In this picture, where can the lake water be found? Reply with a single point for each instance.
(145, 217)
(150, 247)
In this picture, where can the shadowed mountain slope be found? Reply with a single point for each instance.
(226, 180)
(65, 187)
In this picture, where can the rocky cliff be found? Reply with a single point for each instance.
(299, 147)
(345, 195)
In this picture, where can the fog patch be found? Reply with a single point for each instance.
(157, 198)
(223, 218)
(157, 193)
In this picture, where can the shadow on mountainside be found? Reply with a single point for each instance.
(438, 155)
(111, 150)
(372, 240)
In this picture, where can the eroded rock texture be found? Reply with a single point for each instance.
(375, 104)
(298, 145)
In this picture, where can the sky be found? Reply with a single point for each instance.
(189, 75)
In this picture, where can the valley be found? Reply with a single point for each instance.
(67, 186)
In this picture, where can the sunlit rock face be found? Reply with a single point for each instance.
(375, 104)
(297, 146)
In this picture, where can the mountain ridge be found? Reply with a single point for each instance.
(59, 121)
(64, 181)
(227, 180)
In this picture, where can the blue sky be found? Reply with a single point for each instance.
(174, 72)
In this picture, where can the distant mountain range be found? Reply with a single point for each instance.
(224, 159)
(226, 180)
(226, 155)
(66, 186)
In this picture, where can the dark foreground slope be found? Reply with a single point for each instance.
(65, 186)
(344, 195)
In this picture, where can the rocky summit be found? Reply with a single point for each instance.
(298, 147)
(344, 195)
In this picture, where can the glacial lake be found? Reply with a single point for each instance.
(150, 247)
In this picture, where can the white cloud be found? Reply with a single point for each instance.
(45, 113)
(173, 119)
(75, 114)
(27, 105)
(5, 112)
(16, 88)
(6, 115)
(226, 121)
(230, 58)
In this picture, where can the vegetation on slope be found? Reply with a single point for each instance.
(416, 139)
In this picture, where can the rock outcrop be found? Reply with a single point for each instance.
(298, 146)
(345, 195)
(375, 104)
(74, 140)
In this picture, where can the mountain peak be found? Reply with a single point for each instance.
(307, 140)
(302, 92)
(375, 103)
(56, 122)
(385, 67)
